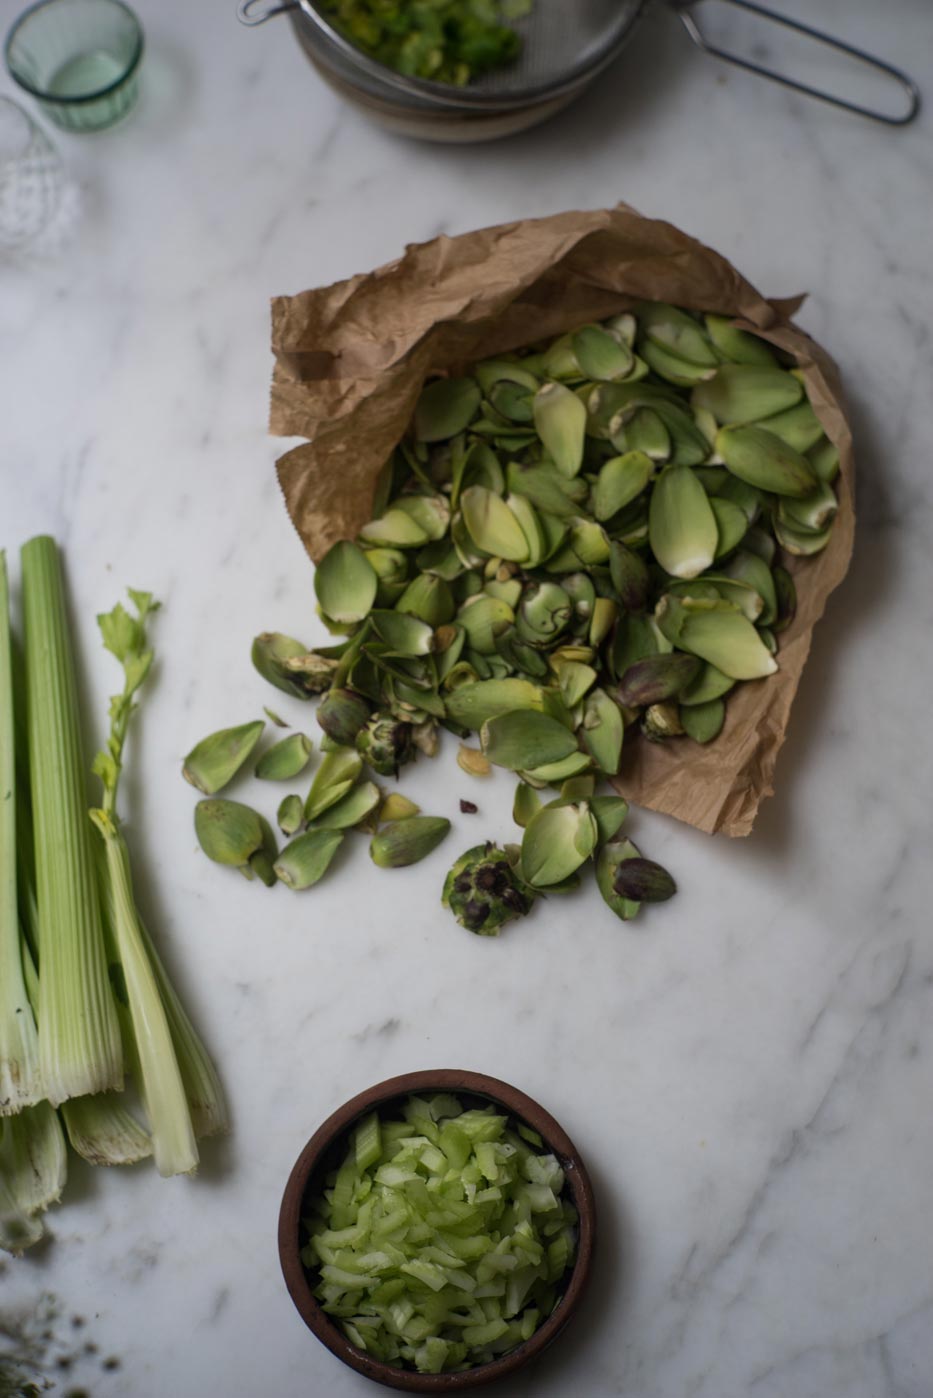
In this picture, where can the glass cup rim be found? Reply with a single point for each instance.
(84, 98)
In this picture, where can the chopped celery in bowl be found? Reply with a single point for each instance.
(436, 1232)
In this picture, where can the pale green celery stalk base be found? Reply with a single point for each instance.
(79, 1034)
(159, 1077)
(33, 1157)
(103, 1132)
(20, 1078)
(205, 1095)
(17, 1230)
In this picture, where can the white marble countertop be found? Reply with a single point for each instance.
(747, 1070)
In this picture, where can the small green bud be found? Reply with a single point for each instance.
(342, 714)
(215, 760)
(306, 859)
(285, 759)
(643, 881)
(403, 842)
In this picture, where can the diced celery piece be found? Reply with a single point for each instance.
(483, 1334)
(395, 1175)
(417, 1329)
(544, 1169)
(399, 1313)
(368, 1141)
(529, 1322)
(432, 1355)
(455, 1144)
(426, 1272)
(517, 1288)
(528, 1134)
(482, 1124)
(541, 1199)
(444, 1105)
(434, 1160)
(388, 1291)
(349, 1280)
(487, 1160)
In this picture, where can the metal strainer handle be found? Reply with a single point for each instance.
(684, 8)
(253, 12)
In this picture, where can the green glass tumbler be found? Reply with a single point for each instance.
(79, 59)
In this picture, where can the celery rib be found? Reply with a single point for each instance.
(104, 1133)
(159, 1077)
(180, 1089)
(20, 1077)
(79, 1036)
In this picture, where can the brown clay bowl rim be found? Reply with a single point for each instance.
(453, 1080)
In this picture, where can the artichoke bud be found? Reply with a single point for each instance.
(290, 815)
(306, 859)
(233, 834)
(681, 524)
(313, 673)
(600, 354)
(763, 460)
(703, 722)
(643, 881)
(560, 418)
(673, 368)
(345, 584)
(629, 574)
(662, 721)
(445, 408)
(342, 714)
(428, 598)
(215, 760)
(403, 842)
(545, 611)
(270, 655)
(354, 810)
(285, 759)
(814, 512)
(644, 432)
(738, 345)
(673, 330)
(613, 853)
(386, 744)
(397, 807)
(741, 393)
(483, 891)
(656, 678)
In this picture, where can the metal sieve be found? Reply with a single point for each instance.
(565, 45)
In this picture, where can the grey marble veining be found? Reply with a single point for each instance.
(748, 1071)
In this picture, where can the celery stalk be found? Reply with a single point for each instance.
(20, 1079)
(150, 1037)
(18, 1230)
(159, 1077)
(202, 1085)
(179, 1086)
(33, 1157)
(103, 1132)
(79, 1035)
(33, 1167)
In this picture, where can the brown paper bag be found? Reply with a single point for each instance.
(350, 362)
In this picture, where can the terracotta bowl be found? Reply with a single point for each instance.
(323, 1152)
